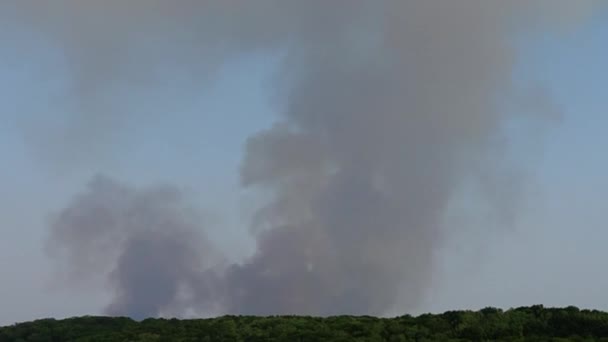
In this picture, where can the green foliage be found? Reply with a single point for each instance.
(534, 323)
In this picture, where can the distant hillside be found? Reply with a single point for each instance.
(534, 323)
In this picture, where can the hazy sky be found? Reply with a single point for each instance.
(193, 134)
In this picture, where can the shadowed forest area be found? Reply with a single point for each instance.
(535, 323)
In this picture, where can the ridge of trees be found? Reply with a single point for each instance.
(535, 323)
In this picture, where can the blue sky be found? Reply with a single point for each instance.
(202, 140)
(553, 255)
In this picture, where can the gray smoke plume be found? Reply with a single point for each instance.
(146, 242)
(388, 108)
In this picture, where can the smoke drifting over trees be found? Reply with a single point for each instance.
(146, 241)
(388, 106)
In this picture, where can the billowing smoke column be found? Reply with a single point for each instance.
(387, 108)
(145, 240)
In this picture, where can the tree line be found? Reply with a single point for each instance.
(535, 323)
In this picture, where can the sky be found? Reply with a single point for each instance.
(553, 254)
(195, 134)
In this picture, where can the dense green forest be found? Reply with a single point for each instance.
(534, 323)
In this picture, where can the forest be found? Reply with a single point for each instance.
(535, 323)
